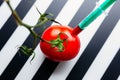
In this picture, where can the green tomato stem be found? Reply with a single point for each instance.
(42, 23)
(19, 21)
(14, 12)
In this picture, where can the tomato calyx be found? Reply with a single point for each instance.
(58, 43)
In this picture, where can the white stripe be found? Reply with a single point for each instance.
(105, 56)
(118, 78)
(31, 69)
(5, 11)
(17, 38)
(64, 68)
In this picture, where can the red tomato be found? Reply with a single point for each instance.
(71, 47)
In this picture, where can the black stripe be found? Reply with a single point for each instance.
(18, 61)
(95, 44)
(44, 71)
(10, 25)
(1, 1)
(113, 70)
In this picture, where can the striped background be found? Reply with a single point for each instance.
(99, 56)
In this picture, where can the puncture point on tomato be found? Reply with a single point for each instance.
(72, 48)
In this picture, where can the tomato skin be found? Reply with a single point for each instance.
(71, 47)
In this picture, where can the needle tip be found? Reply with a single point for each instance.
(76, 30)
